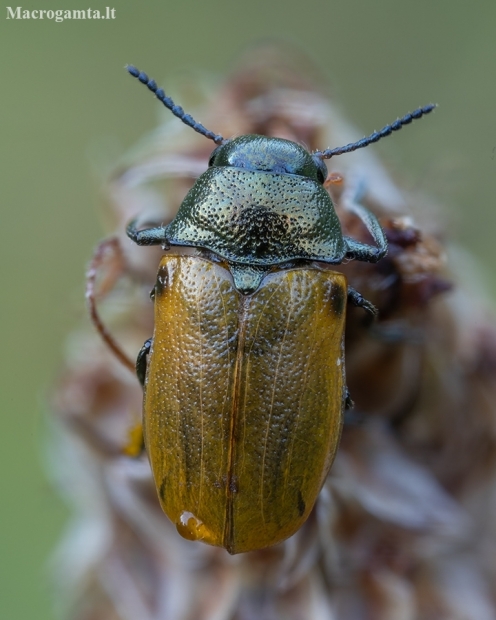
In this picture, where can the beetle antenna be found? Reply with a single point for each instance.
(377, 135)
(187, 119)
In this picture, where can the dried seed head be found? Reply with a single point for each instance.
(404, 526)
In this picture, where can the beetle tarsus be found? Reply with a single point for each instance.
(141, 361)
(359, 301)
(348, 403)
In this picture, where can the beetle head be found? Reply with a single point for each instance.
(266, 154)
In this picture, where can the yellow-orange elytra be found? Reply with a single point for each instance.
(243, 399)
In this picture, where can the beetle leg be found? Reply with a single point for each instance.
(141, 361)
(359, 301)
(363, 251)
(148, 236)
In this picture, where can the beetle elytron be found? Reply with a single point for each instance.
(244, 381)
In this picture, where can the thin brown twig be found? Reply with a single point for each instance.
(113, 244)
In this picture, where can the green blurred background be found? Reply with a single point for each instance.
(65, 93)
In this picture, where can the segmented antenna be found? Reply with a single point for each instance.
(187, 119)
(377, 135)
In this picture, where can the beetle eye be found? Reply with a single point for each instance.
(321, 169)
(213, 156)
(321, 175)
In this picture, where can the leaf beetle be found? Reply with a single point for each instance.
(244, 377)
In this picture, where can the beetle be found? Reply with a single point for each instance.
(244, 377)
